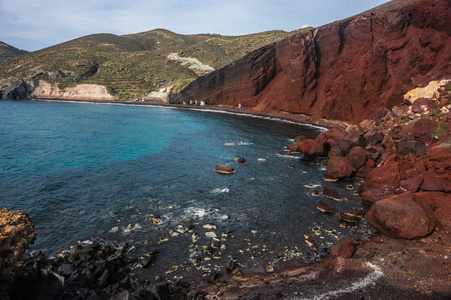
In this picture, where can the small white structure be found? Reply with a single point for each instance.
(202, 103)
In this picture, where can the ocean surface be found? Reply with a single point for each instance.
(144, 175)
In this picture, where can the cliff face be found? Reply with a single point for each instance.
(348, 70)
(45, 90)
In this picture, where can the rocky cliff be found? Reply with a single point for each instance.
(16, 232)
(348, 70)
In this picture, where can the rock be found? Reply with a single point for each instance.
(395, 131)
(296, 147)
(343, 249)
(440, 154)
(329, 192)
(66, 269)
(16, 233)
(325, 206)
(357, 157)
(374, 137)
(436, 182)
(423, 130)
(335, 151)
(339, 168)
(385, 176)
(230, 265)
(411, 184)
(366, 125)
(355, 138)
(223, 169)
(411, 147)
(125, 295)
(356, 213)
(240, 160)
(317, 147)
(402, 216)
(299, 138)
(350, 218)
(374, 195)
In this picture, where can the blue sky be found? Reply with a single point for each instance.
(36, 24)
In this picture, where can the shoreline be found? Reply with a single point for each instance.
(381, 268)
(243, 111)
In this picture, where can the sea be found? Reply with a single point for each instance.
(144, 176)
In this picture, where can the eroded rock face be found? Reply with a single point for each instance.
(403, 216)
(16, 232)
(47, 90)
(349, 70)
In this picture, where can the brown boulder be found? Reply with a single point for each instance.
(299, 138)
(411, 147)
(325, 206)
(402, 216)
(335, 151)
(357, 157)
(224, 169)
(318, 147)
(329, 192)
(374, 195)
(295, 146)
(423, 130)
(436, 182)
(411, 184)
(355, 138)
(440, 154)
(366, 125)
(343, 249)
(440, 203)
(385, 176)
(339, 168)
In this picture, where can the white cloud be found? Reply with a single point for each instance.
(34, 24)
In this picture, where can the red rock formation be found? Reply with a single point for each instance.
(348, 70)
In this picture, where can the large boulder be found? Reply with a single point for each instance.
(339, 168)
(317, 147)
(403, 216)
(16, 232)
(357, 157)
(436, 182)
(423, 130)
(385, 176)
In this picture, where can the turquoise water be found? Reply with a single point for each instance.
(88, 171)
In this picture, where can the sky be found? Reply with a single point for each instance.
(35, 24)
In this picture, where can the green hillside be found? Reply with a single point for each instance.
(8, 52)
(132, 64)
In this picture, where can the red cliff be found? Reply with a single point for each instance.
(348, 70)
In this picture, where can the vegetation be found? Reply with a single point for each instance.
(132, 64)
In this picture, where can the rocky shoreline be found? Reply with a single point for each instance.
(405, 160)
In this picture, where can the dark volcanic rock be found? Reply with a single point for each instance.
(348, 70)
(402, 216)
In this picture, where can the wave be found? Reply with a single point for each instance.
(220, 190)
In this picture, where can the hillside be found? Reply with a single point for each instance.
(8, 52)
(348, 70)
(129, 65)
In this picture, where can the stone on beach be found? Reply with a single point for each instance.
(329, 192)
(403, 216)
(325, 206)
(343, 249)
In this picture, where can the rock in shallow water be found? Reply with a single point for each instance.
(224, 169)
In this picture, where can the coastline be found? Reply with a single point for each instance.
(244, 111)
(381, 268)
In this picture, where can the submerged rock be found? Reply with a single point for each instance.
(240, 160)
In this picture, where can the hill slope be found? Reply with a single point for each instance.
(8, 52)
(129, 65)
(348, 70)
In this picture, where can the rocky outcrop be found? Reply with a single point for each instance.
(16, 232)
(402, 216)
(45, 90)
(348, 70)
